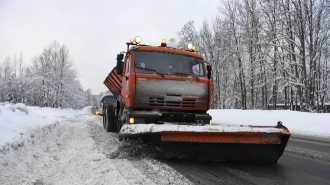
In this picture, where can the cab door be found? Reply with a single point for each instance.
(127, 82)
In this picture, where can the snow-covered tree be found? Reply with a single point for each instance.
(50, 81)
(266, 53)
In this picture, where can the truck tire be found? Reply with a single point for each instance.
(118, 122)
(114, 125)
(104, 117)
(109, 121)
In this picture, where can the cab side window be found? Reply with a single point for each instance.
(127, 65)
(198, 69)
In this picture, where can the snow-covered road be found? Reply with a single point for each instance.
(77, 150)
(66, 146)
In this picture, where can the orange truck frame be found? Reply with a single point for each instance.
(150, 89)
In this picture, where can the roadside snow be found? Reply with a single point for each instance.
(315, 124)
(77, 150)
(231, 120)
(18, 120)
(65, 146)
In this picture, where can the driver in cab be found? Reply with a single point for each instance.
(178, 67)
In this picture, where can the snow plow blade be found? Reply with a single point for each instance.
(251, 144)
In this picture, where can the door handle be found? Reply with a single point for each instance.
(126, 77)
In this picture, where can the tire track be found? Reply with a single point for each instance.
(206, 173)
(310, 142)
(307, 154)
(150, 167)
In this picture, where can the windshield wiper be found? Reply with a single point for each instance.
(185, 74)
(151, 70)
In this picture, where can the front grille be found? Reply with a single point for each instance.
(188, 102)
(160, 102)
(153, 101)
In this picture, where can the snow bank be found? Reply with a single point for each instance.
(317, 124)
(18, 120)
(133, 150)
(231, 120)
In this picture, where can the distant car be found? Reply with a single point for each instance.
(95, 110)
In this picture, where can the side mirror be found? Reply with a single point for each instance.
(120, 56)
(209, 71)
(119, 67)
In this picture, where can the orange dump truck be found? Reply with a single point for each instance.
(163, 95)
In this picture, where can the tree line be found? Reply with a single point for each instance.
(50, 81)
(266, 53)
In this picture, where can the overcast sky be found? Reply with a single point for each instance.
(94, 31)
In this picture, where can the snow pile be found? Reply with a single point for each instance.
(22, 108)
(134, 149)
(317, 124)
(17, 120)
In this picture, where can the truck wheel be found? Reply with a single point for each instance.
(114, 125)
(118, 123)
(109, 122)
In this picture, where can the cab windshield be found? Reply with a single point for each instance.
(167, 63)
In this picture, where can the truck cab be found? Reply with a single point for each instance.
(157, 84)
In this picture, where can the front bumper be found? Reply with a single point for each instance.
(171, 117)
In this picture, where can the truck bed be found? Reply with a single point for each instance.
(113, 82)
